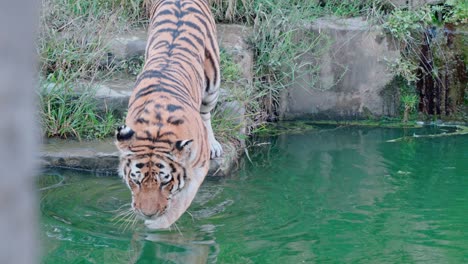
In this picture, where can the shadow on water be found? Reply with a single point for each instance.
(333, 195)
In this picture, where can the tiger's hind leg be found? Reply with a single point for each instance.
(210, 97)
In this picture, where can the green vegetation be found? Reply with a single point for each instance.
(277, 43)
(131, 67)
(74, 35)
(284, 127)
(227, 119)
(247, 11)
(436, 62)
(72, 49)
(65, 113)
(277, 47)
(409, 104)
(229, 69)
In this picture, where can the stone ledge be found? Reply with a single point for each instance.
(102, 157)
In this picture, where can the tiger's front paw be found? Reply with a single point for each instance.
(216, 149)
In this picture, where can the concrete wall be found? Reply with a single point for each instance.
(413, 4)
(353, 78)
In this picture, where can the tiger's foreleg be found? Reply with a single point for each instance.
(208, 103)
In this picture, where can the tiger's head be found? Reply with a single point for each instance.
(158, 179)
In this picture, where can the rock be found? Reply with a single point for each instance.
(233, 39)
(113, 95)
(128, 46)
(353, 79)
(413, 3)
(102, 157)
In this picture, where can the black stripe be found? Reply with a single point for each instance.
(154, 140)
(163, 22)
(192, 25)
(213, 65)
(189, 63)
(164, 12)
(178, 179)
(154, 89)
(141, 108)
(180, 70)
(203, 9)
(175, 122)
(189, 41)
(199, 40)
(156, 74)
(194, 11)
(142, 120)
(142, 146)
(171, 108)
(207, 83)
(173, 169)
(160, 44)
(158, 116)
(166, 134)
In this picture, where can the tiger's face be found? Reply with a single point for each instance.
(161, 181)
(153, 180)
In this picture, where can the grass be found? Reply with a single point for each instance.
(278, 44)
(64, 113)
(278, 47)
(417, 28)
(74, 33)
(247, 11)
(227, 120)
(230, 70)
(73, 47)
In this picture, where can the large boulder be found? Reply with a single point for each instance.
(353, 80)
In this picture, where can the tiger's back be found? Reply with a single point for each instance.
(168, 132)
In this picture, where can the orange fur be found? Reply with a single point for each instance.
(168, 131)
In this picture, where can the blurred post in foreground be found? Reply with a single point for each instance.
(18, 132)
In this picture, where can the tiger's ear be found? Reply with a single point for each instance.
(124, 136)
(183, 150)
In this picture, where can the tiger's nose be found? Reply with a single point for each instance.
(149, 215)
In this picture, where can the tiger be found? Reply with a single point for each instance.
(167, 140)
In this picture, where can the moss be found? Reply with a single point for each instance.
(461, 42)
(460, 130)
(284, 127)
(389, 123)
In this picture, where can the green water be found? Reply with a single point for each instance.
(336, 195)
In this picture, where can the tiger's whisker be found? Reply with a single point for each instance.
(177, 228)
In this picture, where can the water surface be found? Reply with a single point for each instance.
(335, 195)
